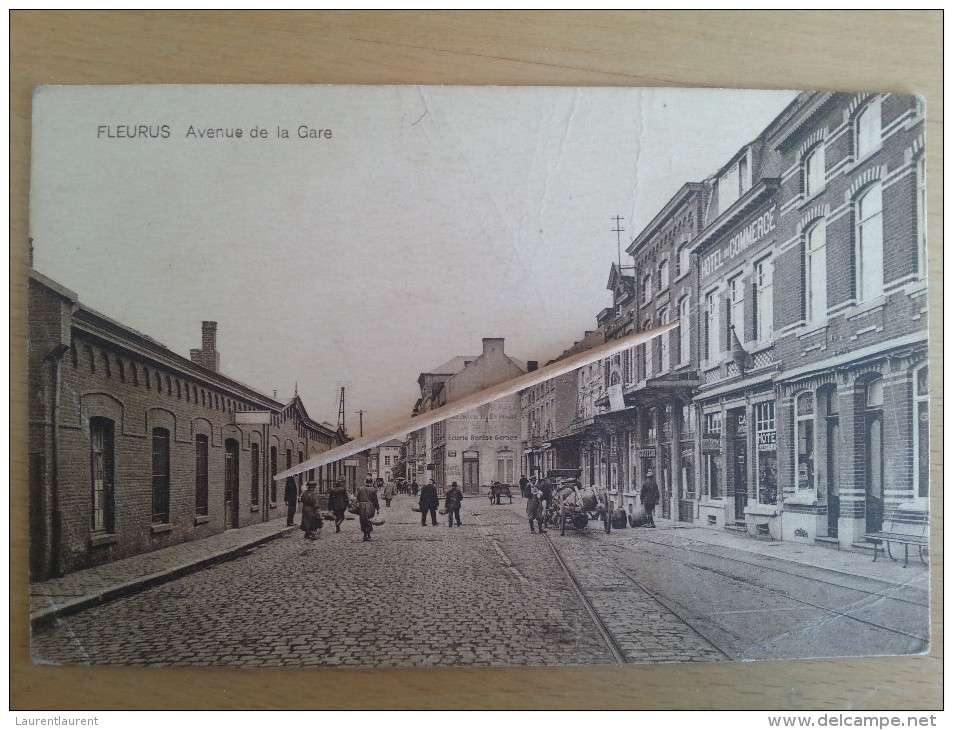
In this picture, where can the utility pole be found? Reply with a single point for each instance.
(618, 238)
(360, 415)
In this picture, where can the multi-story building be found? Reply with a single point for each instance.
(133, 448)
(850, 315)
(792, 401)
(475, 448)
(384, 460)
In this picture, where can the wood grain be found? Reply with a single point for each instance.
(842, 50)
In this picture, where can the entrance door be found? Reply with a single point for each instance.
(471, 472)
(875, 475)
(231, 483)
(833, 495)
(739, 471)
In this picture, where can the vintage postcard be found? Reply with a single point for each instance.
(231, 284)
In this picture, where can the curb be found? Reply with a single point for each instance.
(46, 616)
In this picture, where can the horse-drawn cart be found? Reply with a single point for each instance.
(574, 506)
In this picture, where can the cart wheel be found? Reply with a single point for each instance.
(607, 521)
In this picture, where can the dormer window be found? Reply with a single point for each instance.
(733, 182)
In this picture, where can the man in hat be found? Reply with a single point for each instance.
(429, 502)
(291, 498)
(338, 503)
(454, 499)
(367, 506)
(310, 517)
(650, 497)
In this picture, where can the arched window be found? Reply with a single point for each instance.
(101, 433)
(804, 420)
(815, 272)
(161, 473)
(870, 243)
(121, 370)
(813, 171)
(867, 129)
(201, 474)
(684, 330)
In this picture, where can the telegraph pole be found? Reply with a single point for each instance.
(360, 415)
(618, 238)
(341, 425)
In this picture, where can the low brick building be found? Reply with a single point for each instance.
(133, 448)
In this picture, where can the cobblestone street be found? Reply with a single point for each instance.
(490, 593)
(487, 593)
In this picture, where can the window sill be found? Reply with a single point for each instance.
(862, 308)
(255, 508)
(103, 538)
(159, 529)
(201, 519)
(812, 328)
(807, 201)
(857, 162)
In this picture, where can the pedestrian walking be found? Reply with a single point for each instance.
(388, 493)
(452, 502)
(291, 498)
(545, 495)
(367, 507)
(414, 487)
(524, 486)
(534, 509)
(310, 517)
(337, 503)
(650, 497)
(429, 502)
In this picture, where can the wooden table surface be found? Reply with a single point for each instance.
(843, 50)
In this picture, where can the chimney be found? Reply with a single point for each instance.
(207, 357)
(532, 366)
(492, 345)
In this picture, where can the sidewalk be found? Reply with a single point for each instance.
(85, 588)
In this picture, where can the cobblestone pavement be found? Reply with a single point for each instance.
(489, 593)
(485, 594)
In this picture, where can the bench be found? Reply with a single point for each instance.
(909, 530)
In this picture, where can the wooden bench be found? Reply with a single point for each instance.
(910, 529)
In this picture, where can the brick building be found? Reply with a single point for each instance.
(133, 448)
(476, 448)
(793, 399)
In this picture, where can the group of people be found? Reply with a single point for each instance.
(538, 493)
(430, 502)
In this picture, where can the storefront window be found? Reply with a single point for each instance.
(805, 441)
(922, 432)
(766, 436)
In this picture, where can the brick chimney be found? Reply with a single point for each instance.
(207, 357)
(492, 346)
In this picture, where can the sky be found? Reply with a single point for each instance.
(391, 229)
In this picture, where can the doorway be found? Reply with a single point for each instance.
(231, 483)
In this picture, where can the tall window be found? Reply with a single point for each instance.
(505, 467)
(664, 340)
(684, 330)
(870, 244)
(101, 434)
(649, 350)
(274, 470)
(804, 418)
(815, 272)
(255, 474)
(767, 453)
(201, 474)
(921, 217)
(921, 434)
(867, 130)
(814, 171)
(160, 475)
(712, 342)
(736, 309)
(646, 288)
(681, 261)
(663, 275)
(764, 300)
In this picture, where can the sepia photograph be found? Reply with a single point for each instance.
(250, 306)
